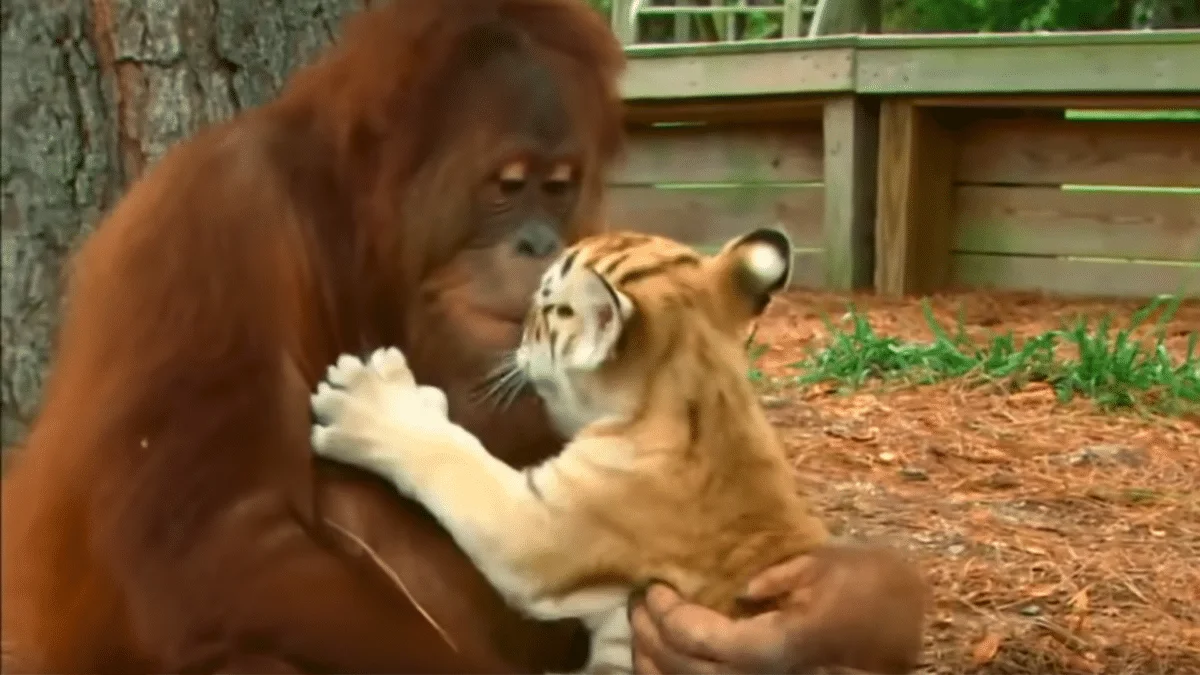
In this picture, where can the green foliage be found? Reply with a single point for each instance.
(1004, 15)
(602, 6)
(755, 351)
(918, 16)
(1114, 370)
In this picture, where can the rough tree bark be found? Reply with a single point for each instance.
(94, 91)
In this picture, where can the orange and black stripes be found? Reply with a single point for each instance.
(640, 273)
(620, 259)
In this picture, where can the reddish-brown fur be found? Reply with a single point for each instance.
(166, 514)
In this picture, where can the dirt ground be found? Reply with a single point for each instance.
(1058, 539)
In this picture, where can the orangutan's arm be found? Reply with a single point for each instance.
(529, 547)
(221, 563)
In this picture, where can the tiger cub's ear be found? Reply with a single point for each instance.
(760, 263)
(602, 314)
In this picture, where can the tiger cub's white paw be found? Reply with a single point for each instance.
(367, 412)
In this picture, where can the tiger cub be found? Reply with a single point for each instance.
(636, 345)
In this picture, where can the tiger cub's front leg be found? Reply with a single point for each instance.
(376, 417)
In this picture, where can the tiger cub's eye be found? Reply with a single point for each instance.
(564, 312)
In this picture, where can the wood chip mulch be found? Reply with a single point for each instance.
(1059, 539)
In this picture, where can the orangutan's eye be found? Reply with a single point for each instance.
(560, 179)
(512, 177)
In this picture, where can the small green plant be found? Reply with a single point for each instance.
(755, 351)
(1114, 370)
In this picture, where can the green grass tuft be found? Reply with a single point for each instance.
(755, 350)
(1111, 368)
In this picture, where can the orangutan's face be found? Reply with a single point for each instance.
(513, 125)
(509, 181)
(523, 211)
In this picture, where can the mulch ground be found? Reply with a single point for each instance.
(1058, 538)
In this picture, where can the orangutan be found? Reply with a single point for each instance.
(408, 188)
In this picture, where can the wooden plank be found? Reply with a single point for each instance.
(1079, 101)
(739, 74)
(913, 227)
(743, 109)
(808, 270)
(1051, 152)
(1040, 39)
(1050, 221)
(711, 216)
(1063, 276)
(722, 154)
(851, 145)
(1029, 68)
(649, 52)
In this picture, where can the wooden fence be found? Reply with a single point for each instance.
(915, 164)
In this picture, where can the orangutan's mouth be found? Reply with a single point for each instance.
(509, 315)
(492, 315)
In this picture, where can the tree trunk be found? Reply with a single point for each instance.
(94, 92)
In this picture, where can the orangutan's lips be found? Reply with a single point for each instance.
(493, 317)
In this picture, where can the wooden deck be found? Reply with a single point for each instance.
(917, 163)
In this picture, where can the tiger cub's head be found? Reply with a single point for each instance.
(619, 309)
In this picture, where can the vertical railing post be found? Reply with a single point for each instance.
(791, 19)
(683, 22)
(623, 21)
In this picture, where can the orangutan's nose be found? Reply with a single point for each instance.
(538, 239)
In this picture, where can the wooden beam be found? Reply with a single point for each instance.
(1056, 151)
(913, 228)
(1077, 101)
(1049, 221)
(1114, 38)
(1117, 62)
(739, 74)
(1074, 277)
(739, 110)
(851, 145)
(1023, 69)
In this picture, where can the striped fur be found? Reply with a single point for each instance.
(636, 345)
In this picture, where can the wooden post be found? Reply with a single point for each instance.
(683, 23)
(851, 126)
(624, 23)
(913, 230)
(837, 17)
(792, 18)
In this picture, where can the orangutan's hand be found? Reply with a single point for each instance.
(842, 606)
